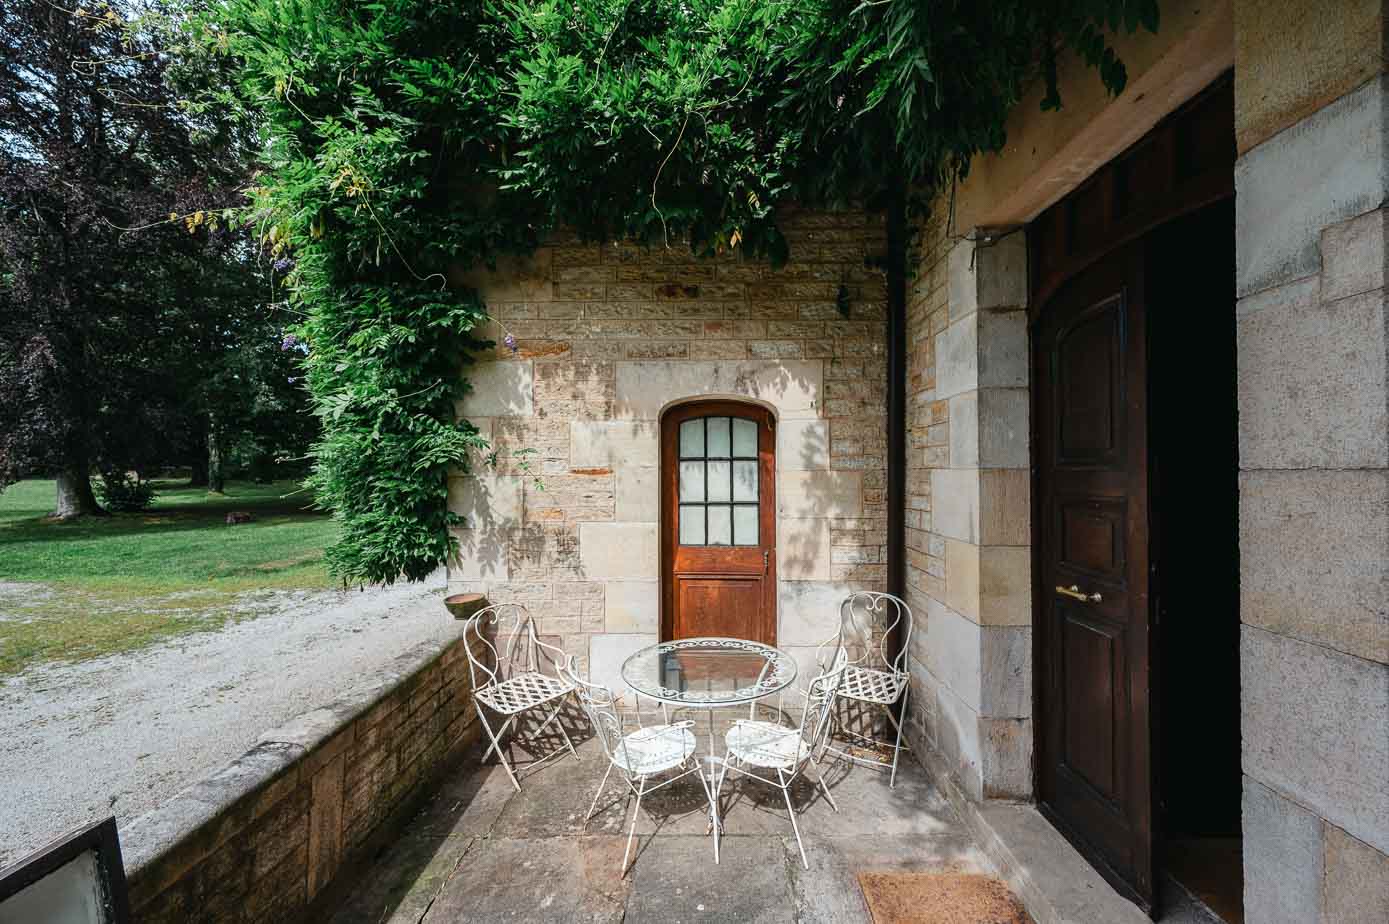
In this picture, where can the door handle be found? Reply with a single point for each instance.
(766, 560)
(1074, 593)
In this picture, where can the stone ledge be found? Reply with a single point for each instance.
(212, 845)
(1041, 867)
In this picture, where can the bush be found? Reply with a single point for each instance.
(124, 492)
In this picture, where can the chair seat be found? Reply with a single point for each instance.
(654, 749)
(871, 686)
(522, 692)
(766, 744)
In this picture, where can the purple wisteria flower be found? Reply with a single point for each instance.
(289, 342)
(510, 341)
(284, 265)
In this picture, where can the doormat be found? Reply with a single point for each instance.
(940, 898)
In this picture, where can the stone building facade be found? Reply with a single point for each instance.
(611, 336)
(1313, 388)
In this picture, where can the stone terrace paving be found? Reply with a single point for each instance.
(480, 851)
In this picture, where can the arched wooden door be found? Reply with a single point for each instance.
(718, 529)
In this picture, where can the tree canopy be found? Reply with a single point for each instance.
(403, 139)
(130, 311)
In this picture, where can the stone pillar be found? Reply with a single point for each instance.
(1310, 99)
(974, 645)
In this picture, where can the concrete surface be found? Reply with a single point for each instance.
(121, 734)
(481, 851)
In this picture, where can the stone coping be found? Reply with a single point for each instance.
(165, 843)
(1054, 881)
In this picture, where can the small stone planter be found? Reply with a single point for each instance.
(463, 606)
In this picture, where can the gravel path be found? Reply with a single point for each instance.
(119, 734)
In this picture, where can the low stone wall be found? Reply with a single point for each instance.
(266, 837)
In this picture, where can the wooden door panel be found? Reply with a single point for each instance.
(717, 605)
(1091, 669)
(1094, 776)
(1090, 537)
(718, 529)
(1090, 387)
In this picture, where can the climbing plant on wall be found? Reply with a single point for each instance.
(406, 140)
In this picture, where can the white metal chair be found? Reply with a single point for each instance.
(514, 683)
(638, 755)
(867, 620)
(785, 750)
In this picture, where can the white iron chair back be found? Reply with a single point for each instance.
(518, 649)
(869, 622)
(818, 718)
(600, 705)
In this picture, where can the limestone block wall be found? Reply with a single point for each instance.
(1310, 98)
(967, 523)
(611, 335)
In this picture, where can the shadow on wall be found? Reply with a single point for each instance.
(507, 539)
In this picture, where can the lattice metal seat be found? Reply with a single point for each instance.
(872, 686)
(867, 620)
(654, 749)
(523, 692)
(766, 744)
(524, 686)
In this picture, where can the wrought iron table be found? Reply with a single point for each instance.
(709, 674)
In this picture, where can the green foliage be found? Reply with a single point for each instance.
(407, 140)
(124, 492)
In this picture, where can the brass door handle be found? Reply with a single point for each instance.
(1074, 593)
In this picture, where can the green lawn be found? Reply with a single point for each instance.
(118, 583)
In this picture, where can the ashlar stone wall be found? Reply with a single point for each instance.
(609, 337)
(968, 517)
(1311, 183)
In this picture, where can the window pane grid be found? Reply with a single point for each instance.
(718, 482)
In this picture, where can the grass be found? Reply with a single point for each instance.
(102, 585)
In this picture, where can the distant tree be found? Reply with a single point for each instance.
(111, 243)
(237, 378)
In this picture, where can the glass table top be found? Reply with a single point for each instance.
(709, 671)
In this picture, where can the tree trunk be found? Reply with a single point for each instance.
(216, 480)
(197, 478)
(75, 497)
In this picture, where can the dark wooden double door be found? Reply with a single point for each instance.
(1094, 646)
(1150, 238)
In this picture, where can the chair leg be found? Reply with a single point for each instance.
(560, 724)
(819, 778)
(506, 765)
(716, 794)
(897, 751)
(496, 739)
(599, 792)
(553, 716)
(633, 833)
(786, 794)
(715, 822)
